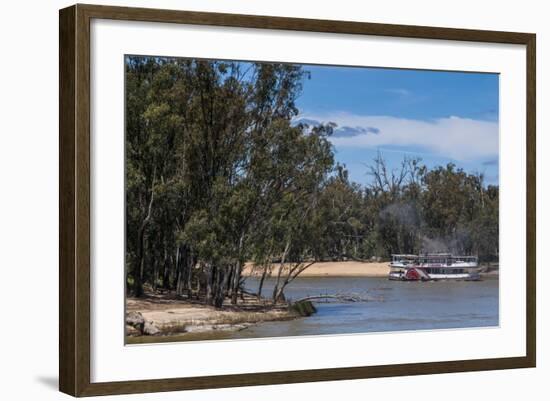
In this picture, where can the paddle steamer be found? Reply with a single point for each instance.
(433, 266)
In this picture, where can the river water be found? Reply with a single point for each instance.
(398, 306)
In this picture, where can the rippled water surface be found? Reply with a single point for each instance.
(402, 306)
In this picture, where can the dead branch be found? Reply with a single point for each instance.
(341, 297)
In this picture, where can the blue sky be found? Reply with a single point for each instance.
(439, 116)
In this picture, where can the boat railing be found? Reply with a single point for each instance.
(435, 258)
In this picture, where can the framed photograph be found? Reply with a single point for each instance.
(250, 200)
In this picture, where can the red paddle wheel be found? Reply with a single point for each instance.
(412, 274)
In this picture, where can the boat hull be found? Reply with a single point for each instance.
(432, 267)
(416, 275)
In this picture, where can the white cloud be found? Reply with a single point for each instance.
(454, 137)
(399, 91)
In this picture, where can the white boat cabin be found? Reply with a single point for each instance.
(433, 266)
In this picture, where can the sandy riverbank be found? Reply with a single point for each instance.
(338, 269)
(186, 319)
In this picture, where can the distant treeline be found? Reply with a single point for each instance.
(218, 175)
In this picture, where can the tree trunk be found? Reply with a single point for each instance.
(189, 276)
(140, 264)
(155, 274)
(199, 281)
(276, 292)
(230, 273)
(261, 285)
(236, 281)
(237, 273)
(138, 279)
(210, 273)
(221, 287)
(179, 271)
(165, 271)
(291, 275)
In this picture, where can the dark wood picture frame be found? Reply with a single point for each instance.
(74, 199)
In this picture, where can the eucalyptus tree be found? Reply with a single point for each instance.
(218, 174)
(199, 136)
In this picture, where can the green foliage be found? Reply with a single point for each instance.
(218, 175)
(303, 308)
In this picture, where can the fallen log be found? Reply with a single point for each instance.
(340, 297)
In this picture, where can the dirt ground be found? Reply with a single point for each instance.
(173, 316)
